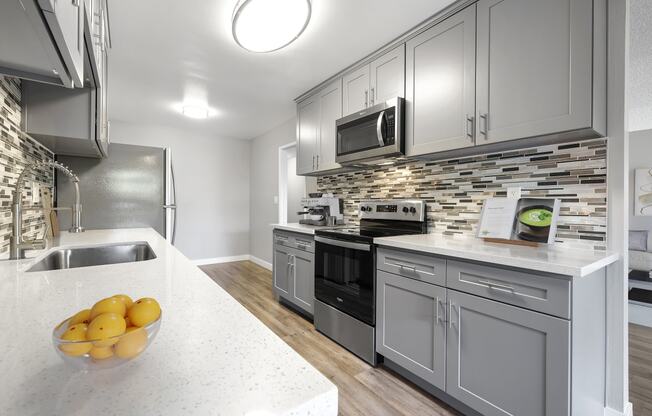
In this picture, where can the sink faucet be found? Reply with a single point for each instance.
(18, 246)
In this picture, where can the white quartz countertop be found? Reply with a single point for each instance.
(547, 259)
(211, 356)
(304, 228)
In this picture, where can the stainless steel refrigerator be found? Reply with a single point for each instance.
(132, 188)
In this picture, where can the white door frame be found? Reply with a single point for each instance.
(283, 182)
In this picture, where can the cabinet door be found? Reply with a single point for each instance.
(440, 86)
(66, 21)
(388, 76)
(303, 276)
(282, 283)
(355, 90)
(330, 107)
(411, 328)
(504, 360)
(534, 67)
(307, 134)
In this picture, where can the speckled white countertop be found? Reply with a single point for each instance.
(211, 355)
(554, 259)
(304, 228)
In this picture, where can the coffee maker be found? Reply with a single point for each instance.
(317, 209)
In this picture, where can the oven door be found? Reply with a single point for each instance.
(345, 277)
(371, 134)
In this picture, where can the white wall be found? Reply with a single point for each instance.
(264, 187)
(640, 156)
(212, 181)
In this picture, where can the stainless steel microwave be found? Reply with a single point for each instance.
(374, 133)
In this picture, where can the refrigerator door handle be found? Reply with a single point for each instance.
(174, 204)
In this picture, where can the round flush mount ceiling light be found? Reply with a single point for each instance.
(269, 25)
(196, 111)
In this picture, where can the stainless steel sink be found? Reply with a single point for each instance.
(70, 258)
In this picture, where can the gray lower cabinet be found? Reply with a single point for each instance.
(411, 327)
(302, 268)
(294, 270)
(503, 360)
(281, 270)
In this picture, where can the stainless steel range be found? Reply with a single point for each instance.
(345, 272)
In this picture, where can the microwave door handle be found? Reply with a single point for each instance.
(379, 129)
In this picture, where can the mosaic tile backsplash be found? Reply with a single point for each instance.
(454, 190)
(16, 151)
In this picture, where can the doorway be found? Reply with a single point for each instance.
(291, 187)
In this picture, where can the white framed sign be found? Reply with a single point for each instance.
(532, 220)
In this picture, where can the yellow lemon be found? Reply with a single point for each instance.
(105, 326)
(100, 353)
(144, 311)
(81, 317)
(126, 300)
(76, 333)
(108, 305)
(132, 343)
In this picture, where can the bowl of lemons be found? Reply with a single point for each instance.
(114, 331)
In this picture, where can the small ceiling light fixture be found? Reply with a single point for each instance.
(196, 111)
(269, 25)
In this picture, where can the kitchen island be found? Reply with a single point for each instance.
(211, 355)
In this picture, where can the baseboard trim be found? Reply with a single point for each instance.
(629, 411)
(216, 260)
(229, 259)
(262, 263)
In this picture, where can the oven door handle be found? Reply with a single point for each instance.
(344, 244)
(379, 129)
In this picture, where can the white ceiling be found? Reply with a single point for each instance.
(640, 66)
(164, 51)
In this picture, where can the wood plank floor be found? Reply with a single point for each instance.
(365, 390)
(640, 369)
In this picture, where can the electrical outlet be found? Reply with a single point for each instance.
(36, 195)
(514, 192)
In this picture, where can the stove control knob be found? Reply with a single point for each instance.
(406, 210)
(363, 209)
(413, 210)
(369, 208)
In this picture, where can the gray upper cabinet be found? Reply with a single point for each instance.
(330, 109)
(66, 21)
(387, 76)
(74, 122)
(356, 90)
(307, 134)
(503, 360)
(411, 327)
(534, 68)
(316, 132)
(43, 40)
(440, 86)
(382, 79)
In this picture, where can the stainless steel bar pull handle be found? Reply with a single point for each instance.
(484, 125)
(469, 126)
(494, 285)
(366, 98)
(379, 129)
(372, 98)
(451, 308)
(413, 269)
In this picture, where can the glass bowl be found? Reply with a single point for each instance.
(123, 347)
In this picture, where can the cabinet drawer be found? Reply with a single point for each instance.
(537, 292)
(294, 240)
(304, 243)
(428, 269)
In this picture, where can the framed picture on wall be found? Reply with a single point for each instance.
(643, 192)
